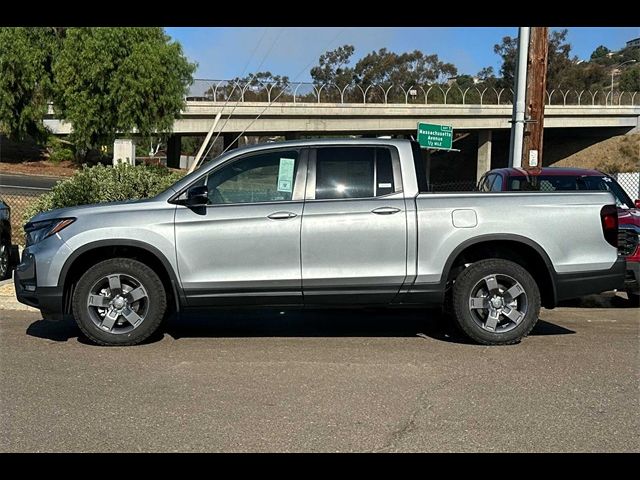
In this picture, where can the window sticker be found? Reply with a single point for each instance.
(384, 185)
(285, 175)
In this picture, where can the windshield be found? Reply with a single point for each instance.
(561, 183)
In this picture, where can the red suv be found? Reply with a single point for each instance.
(550, 179)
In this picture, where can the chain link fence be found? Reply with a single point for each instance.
(443, 94)
(630, 183)
(19, 201)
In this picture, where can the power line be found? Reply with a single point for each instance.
(240, 98)
(200, 155)
(283, 90)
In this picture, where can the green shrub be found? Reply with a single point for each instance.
(60, 155)
(59, 150)
(99, 184)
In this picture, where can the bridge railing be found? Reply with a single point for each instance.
(305, 92)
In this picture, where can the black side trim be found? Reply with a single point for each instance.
(179, 294)
(424, 293)
(237, 298)
(573, 285)
(350, 294)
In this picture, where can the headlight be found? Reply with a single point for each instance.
(38, 231)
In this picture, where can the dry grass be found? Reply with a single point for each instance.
(613, 155)
(39, 167)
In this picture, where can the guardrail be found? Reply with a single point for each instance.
(305, 92)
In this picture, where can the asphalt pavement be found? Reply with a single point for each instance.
(323, 381)
(25, 184)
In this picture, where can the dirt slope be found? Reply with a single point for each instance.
(615, 154)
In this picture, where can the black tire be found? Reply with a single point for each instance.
(634, 298)
(5, 261)
(155, 302)
(506, 332)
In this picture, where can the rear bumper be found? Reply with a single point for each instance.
(573, 285)
(632, 279)
(49, 300)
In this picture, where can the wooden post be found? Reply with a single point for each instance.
(535, 98)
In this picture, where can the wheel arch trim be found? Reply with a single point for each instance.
(510, 237)
(173, 277)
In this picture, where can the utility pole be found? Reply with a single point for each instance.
(520, 84)
(535, 98)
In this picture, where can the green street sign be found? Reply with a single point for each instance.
(435, 136)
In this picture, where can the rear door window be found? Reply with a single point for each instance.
(353, 172)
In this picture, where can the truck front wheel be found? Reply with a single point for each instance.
(496, 302)
(119, 301)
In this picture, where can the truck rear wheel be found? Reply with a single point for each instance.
(496, 302)
(119, 301)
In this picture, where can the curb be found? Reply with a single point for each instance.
(8, 299)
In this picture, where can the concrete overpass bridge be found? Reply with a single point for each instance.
(303, 109)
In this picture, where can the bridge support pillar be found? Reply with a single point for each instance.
(484, 153)
(174, 146)
(227, 139)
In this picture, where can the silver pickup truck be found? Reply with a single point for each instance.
(316, 224)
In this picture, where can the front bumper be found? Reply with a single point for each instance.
(574, 285)
(49, 300)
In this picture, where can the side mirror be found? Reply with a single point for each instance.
(197, 196)
(194, 197)
(637, 203)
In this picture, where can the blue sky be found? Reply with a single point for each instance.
(226, 52)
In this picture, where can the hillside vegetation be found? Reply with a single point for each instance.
(616, 154)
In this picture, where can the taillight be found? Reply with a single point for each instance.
(609, 219)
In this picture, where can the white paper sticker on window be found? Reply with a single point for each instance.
(384, 185)
(285, 175)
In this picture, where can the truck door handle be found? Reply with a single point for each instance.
(385, 210)
(281, 215)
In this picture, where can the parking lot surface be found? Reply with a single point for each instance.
(329, 381)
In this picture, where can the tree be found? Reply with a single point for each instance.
(486, 78)
(507, 49)
(629, 53)
(599, 52)
(558, 61)
(406, 69)
(26, 80)
(464, 81)
(630, 79)
(332, 67)
(111, 81)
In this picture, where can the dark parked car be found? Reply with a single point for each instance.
(551, 179)
(8, 252)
